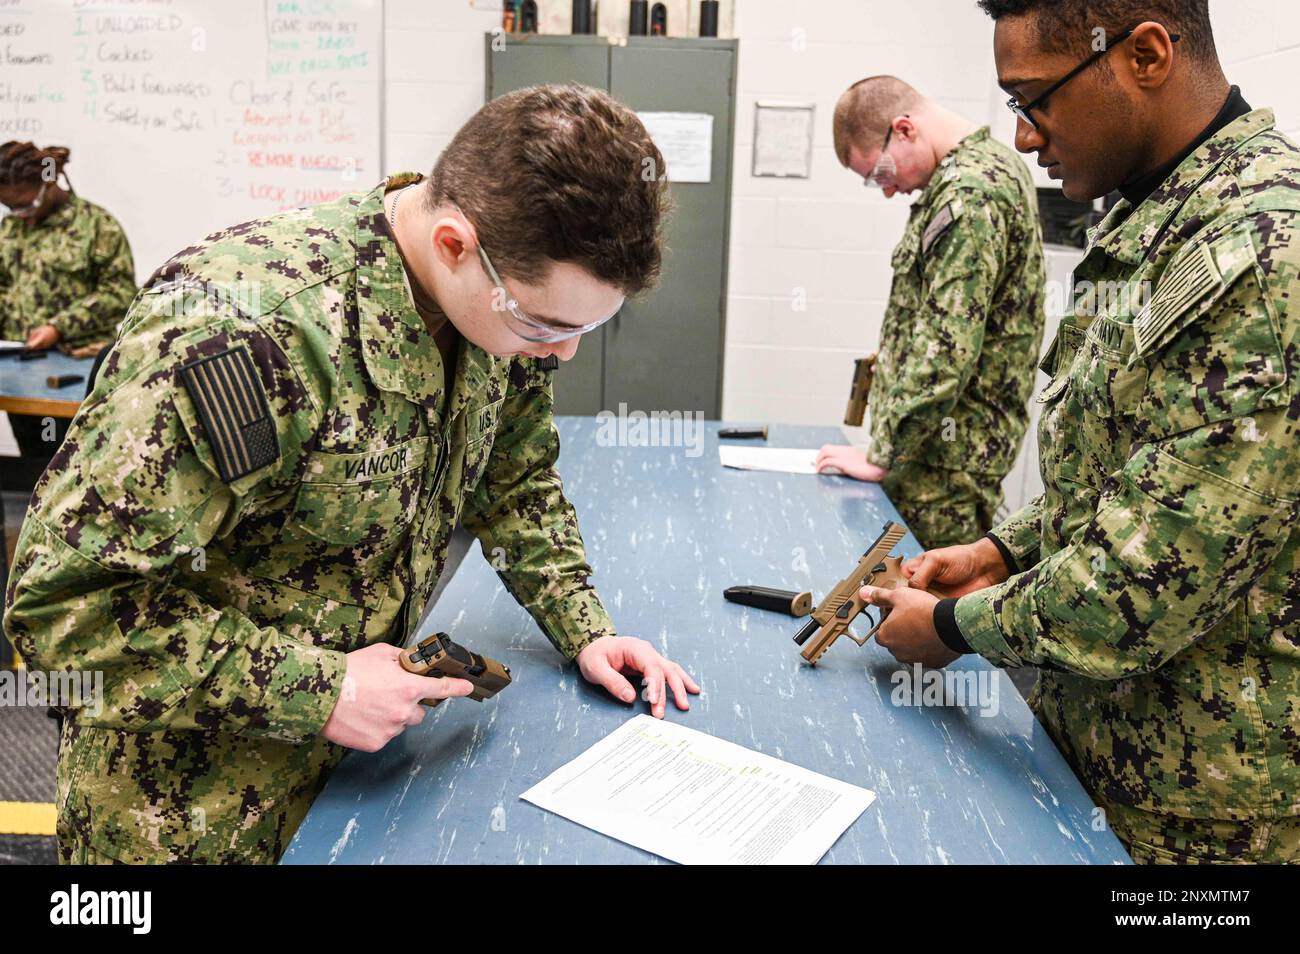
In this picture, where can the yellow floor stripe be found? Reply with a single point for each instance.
(26, 818)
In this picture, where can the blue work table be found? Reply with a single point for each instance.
(23, 389)
(666, 534)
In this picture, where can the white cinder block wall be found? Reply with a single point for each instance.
(433, 69)
(810, 271)
(1259, 46)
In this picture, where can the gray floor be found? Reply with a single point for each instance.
(29, 746)
(27, 850)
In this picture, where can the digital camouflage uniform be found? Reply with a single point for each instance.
(959, 343)
(221, 666)
(1160, 592)
(73, 270)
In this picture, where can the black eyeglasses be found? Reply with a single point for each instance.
(1024, 112)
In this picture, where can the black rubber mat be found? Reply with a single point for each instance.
(29, 749)
(28, 850)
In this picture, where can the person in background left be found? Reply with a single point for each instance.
(66, 274)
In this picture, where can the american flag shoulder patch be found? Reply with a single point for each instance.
(231, 404)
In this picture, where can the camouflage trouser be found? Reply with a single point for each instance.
(943, 508)
(73, 851)
(1170, 840)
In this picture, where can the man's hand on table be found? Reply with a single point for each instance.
(46, 336)
(908, 632)
(850, 461)
(602, 662)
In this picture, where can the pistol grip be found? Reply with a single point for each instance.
(415, 669)
(858, 391)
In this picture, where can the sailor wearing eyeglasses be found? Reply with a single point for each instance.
(254, 503)
(1155, 582)
(964, 322)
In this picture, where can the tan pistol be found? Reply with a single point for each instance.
(841, 606)
(438, 656)
(863, 371)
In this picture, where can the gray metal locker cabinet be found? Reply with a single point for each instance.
(665, 352)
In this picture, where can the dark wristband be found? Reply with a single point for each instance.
(945, 624)
(1007, 558)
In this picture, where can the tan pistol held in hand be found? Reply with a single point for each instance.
(841, 606)
(438, 656)
(863, 371)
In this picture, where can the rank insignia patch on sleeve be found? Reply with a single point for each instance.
(940, 225)
(232, 408)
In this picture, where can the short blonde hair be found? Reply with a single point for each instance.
(866, 109)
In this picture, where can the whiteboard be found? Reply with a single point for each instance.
(186, 116)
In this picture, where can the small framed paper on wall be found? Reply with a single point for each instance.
(783, 139)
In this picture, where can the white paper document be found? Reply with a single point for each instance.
(694, 799)
(686, 142)
(788, 460)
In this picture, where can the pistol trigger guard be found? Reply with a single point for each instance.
(860, 640)
(884, 614)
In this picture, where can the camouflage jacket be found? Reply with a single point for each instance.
(965, 318)
(72, 271)
(216, 565)
(1161, 584)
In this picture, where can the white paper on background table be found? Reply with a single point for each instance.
(686, 142)
(786, 460)
(689, 797)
